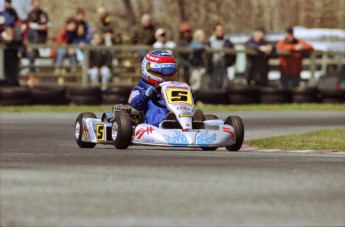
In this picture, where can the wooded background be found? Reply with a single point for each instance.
(238, 16)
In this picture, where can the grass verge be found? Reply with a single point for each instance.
(319, 140)
(206, 108)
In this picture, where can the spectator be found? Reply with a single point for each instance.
(162, 41)
(198, 59)
(257, 65)
(81, 39)
(81, 36)
(106, 27)
(185, 40)
(65, 36)
(11, 37)
(2, 24)
(143, 33)
(219, 60)
(10, 15)
(291, 65)
(38, 30)
(80, 18)
(100, 63)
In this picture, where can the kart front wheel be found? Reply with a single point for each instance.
(122, 131)
(210, 117)
(78, 131)
(237, 123)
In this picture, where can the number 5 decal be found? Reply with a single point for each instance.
(100, 132)
(179, 96)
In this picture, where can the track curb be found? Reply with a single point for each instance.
(247, 148)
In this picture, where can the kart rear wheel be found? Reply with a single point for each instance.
(121, 131)
(237, 123)
(78, 133)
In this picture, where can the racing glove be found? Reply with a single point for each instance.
(151, 92)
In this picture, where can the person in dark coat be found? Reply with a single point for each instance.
(11, 37)
(106, 26)
(81, 21)
(185, 40)
(65, 36)
(100, 63)
(9, 14)
(198, 60)
(144, 33)
(257, 65)
(38, 30)
(220, 61)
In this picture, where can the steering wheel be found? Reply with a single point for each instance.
(156, 100)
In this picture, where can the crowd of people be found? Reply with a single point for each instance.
(202, 68)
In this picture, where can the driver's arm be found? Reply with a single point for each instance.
(138, 99)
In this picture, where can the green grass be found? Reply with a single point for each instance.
(206, 108)
(319, 140)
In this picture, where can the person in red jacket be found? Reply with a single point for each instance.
(291, 65)
(65, 36)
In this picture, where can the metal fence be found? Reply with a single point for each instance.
(127, 59)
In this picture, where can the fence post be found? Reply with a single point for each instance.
(85, 67)
(312, 80)
(2, 63)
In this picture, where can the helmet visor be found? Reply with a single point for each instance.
(162, 70)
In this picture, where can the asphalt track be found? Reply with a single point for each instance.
(46, 180)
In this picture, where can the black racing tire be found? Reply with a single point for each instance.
(237, 123)
(49, 95)
(243, 95)
(243, 99)
(15, 93)
(332, 95)
(273, 95)
(15, 102)
(81, 91)
(271, 99)
(122, 126)
(198, 115)
(78, 137)
(305, 95)
(244, 90)
(305, 99)
(85, 100)
(114, 99)
(122, 91)
(305, 91)
(210, 117)
(212, 97)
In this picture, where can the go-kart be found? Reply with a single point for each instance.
(183, 127)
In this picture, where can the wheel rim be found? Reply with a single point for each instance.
(77, 130)
(114, 131)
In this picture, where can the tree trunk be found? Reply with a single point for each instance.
(129, 11)
(181, 7)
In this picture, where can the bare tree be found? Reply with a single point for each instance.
(129, 10)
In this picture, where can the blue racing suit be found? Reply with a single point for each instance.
(138, 100)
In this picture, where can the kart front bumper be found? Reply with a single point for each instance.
(146, 134)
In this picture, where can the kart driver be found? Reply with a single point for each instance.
(157, 66)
